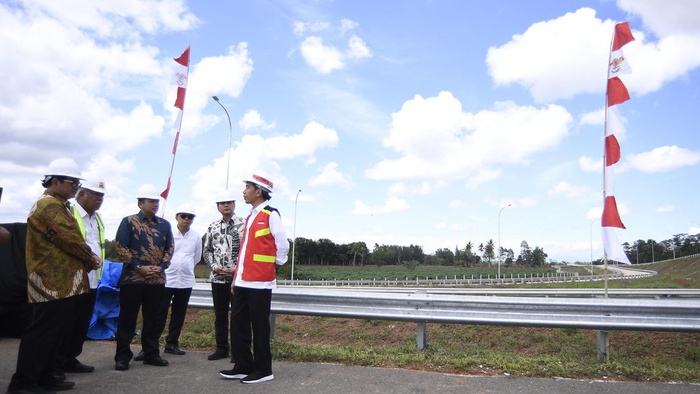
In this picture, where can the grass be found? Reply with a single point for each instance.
(488, 350)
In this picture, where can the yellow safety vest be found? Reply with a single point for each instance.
(100, 230)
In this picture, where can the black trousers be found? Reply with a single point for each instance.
(250, 309)
(40, 342)
(76, 330)
(221, 295)
(148, 298)
(175, 300)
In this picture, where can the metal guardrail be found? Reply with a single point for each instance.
(421, 307)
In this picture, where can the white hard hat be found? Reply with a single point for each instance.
(186, 208)
(225, 196)
(263, 183)
(148, 191)
(95, 186)
(64, 167)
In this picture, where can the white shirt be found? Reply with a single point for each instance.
(187, 252)
(92, 238)
(281, 242)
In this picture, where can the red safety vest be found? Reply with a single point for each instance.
(261, 251)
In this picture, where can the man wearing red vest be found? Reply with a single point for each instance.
(263, 247)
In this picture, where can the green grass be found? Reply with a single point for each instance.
(485, 349)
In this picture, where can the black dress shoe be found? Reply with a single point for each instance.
(58, 376)
(121, 366)
(77, 366)
(29, 390)
(158, 362)
(57, 386)
(174, 350)
(140, 356)
(218, 354)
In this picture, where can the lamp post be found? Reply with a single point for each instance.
(499, 239)
(590, 230)
(294, 235)
(230, 137)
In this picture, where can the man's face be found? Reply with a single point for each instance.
(226, 208)
(91, 201)
(66, 187)
(184, 220)
(149, 207)
(250, 193)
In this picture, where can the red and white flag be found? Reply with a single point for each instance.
(616, 93)
(181, 75)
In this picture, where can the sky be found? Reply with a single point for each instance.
(397, 122)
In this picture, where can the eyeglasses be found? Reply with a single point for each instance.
(75, 184)
(186, 216)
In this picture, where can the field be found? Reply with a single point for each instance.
(488, 350)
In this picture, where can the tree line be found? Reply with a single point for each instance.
(649, 251)
(326, 252)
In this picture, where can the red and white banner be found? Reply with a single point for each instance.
(181, 75)
(616, 93)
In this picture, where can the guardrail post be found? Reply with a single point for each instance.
(421, 335)
(603, 346)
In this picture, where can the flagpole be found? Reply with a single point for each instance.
(605, 129)
(179, 125)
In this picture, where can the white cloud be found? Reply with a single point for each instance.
(588, 164)
(665, 208)
(666, 18)
(663, 159)
(330, 175)
(392, 204)
(253, 120)
(543, 58)
(301, 28)
(357, 48)
(567, 190)
(595, 118)
(326, 58)
(438, 141)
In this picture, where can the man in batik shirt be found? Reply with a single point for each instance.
(221, 243)
(145, 244)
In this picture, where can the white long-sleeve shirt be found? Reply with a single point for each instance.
(187, 253)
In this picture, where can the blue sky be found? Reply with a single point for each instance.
(402, 122)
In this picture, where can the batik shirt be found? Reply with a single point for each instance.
(221, 243)
(142, 241)
(58, 258)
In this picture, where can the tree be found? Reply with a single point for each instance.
(358, 248)
(445, 256)
(489, 251)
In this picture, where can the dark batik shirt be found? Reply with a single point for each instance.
(142, 241)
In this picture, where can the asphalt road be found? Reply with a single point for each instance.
(193, 373)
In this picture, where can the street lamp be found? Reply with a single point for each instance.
(294, 240)
(590, 230)
(230, 136)
(499, 239)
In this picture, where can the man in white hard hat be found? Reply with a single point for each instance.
(264, 246)
(180, 276)
(58, 260)
(221, 243)
(88, 201)
(145, 244)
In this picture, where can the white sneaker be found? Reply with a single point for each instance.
(257, 377)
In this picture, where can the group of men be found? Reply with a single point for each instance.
(65, 253)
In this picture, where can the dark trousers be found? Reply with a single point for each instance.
(76, 330)
(148, 298)
(221, 295)
(40, 342)
(250, 309)
(176, 301)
